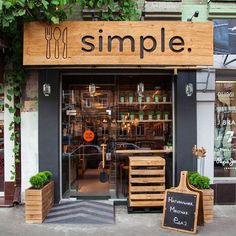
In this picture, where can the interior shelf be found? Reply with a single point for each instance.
(144, 121)
(144, 103)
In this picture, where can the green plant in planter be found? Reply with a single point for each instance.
(158, 115)
(48, 174)
(202, 182)
(36, 182)
(39, 180)
(198, 181)
(192, 176)
(43, 176)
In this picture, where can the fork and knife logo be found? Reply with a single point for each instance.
(55, 36)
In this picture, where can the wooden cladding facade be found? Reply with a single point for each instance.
(118, 43)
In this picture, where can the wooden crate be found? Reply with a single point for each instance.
(208, 205)
(38, 202)
(146, 181)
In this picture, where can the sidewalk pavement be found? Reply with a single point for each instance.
(12, 224)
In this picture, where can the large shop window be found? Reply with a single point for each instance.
(225, 129)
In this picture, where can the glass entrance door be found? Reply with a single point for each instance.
(88, 124)
(105, 120)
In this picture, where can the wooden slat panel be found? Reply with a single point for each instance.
(146, 196)
(148, 180)
(33, 198)
(33, 192)
(196, 49)
(147, 188)
(146, 203)
(33, 208)
(207, 198)
(148, 163)
(33, 216)
(147, 172)
(33, 203)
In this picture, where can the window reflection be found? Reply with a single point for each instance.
(225, 130)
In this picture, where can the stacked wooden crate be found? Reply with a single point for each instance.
(146, 181)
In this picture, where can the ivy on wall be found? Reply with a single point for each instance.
(113, 10)
(13, 14)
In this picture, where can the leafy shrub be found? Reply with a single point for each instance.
(36, 181)
(192, 177)
(39, 180)
(198, 181)
(202, 182)
(43, 176)
(48, 174)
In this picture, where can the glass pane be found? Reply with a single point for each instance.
(225, 130)
(144, 123)
(88, 115)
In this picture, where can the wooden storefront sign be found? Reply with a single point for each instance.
(181, 207)
(118, 43)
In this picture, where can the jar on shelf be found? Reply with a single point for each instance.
(148, 99)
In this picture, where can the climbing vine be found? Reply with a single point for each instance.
(13, 14)
(113, 10)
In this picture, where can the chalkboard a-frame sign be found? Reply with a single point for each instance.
(180, 210)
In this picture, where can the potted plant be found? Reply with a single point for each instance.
(122, 99)
(166, 115)
(203, 183)
(140, 99)
(122, 115)
(131, 98)
(39, 197)
(141, 115)
(131, 115)
(150, 114)
(148, 99)
(156, 98)
(164, 98)
(158, 115)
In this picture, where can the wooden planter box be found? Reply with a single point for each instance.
(208, 204)
(38, 202)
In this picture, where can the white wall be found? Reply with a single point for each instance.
(205, 118)
(29, 148)
(29, 131)
(9, 158)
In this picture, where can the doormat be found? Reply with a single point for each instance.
(82, 212)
